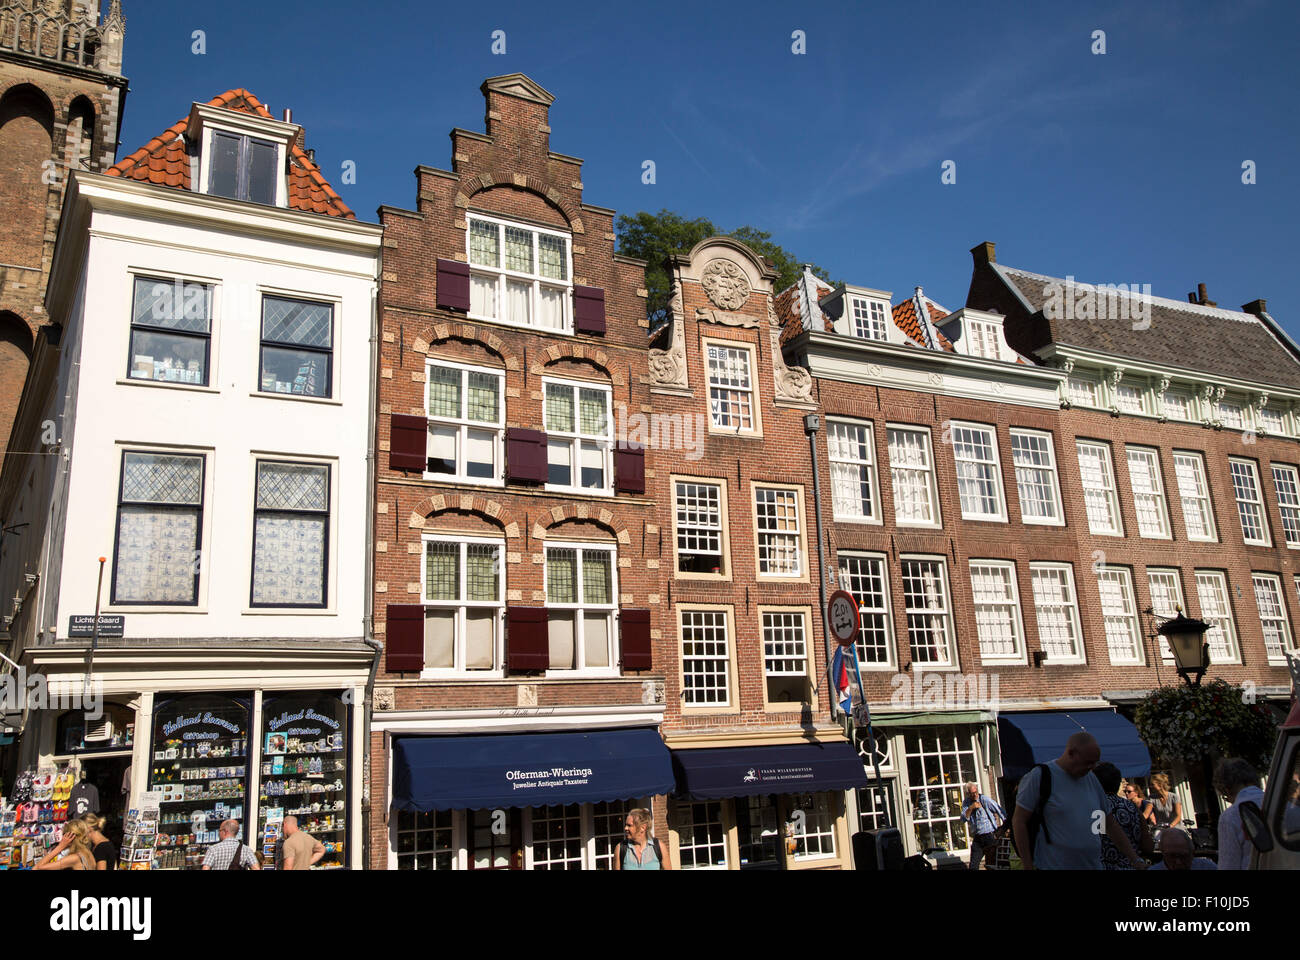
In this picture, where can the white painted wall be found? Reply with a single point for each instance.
(137, 229)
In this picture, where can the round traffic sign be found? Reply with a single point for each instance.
(842, 615)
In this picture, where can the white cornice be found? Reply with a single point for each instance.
(202, 114)
(853, 360)
(1104, 361)
(503, 719)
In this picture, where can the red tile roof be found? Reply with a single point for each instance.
(165, 162)
(905, 319)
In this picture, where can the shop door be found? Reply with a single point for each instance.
(759, 833)
(496, 839)
(938, 761)
(107, 774)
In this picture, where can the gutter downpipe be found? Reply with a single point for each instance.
(368, 625)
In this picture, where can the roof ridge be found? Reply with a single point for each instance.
(1196, 308)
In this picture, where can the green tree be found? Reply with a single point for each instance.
(656, 237)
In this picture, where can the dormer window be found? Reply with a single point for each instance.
(240, 156)
(868, 317)
(243, 168)
(985, 340)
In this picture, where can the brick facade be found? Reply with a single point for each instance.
(510, 173)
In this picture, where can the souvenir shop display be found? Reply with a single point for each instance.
(139, 842)
(32, 819)
(199, 775)
(304, 772)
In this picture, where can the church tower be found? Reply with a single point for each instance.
(61, 94)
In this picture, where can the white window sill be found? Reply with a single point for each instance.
(1152, 536)
(494, 676)
(471, 481)
(918, 525)
(1258, 543)
(877, 667)
(1041, 523)
(151, 608)
(984, 519)
(289, 612)
(327, 401)
(166, 384)
(566, 331)
(1203, 539)
(1126, 663)
(1105, 533)
(871, 521)
(580, 491)
(1016, 661)
(601, 673)
(1062, 662)
(716, 431)
(919, 668)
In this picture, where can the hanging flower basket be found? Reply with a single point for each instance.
(1185, 723)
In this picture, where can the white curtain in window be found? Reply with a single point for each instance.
(480, 639)
(439, 638)
(560, 630)
(517, 297)
(483, 296)
(595, 639)
(550, 308)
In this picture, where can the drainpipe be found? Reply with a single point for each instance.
(811, 424)
(368, 626)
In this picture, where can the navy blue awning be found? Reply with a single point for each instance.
(1030, 738)
(720, 772)
(528, 770)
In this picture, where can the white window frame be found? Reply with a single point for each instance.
(986, 339)
(944, 613)
(1126, 615)
(1232, 415)
(1148, 466)
(727, 661)
(777, 663)
(1188, 402)
(461, 605)
(836, 452)
(1216, 583)
(778, 535)
(580, 608)
(1195, 492)
(873, 319)
(1141, 398)
(1171, 586)
(931, 483)
(576, 439)
(1083, 391)
(1062, 574)
(993, 466)
(1004, 606)
(1107, 489)
(881, 610)
(1244, 504)
(1277, 428)
(463, 425)
(1281, 621)
(685, 820)
(1286, 478)
(721, 529)
(747, 393)
(503, 275)
(1026, 470)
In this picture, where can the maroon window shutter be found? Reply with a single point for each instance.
(528, 644)
(407, 445)
(629, 470)
(404, 643)
(589, 310)
(635, 639)
(525, 455)
(453, 285)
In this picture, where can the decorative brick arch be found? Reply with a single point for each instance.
(577, 353)
(491, 510)
(498, 178)
(592, 512)
(441, 330)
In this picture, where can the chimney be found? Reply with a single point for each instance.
(288, 115)
(984, 253)
(1257, 307)
(1199, 297)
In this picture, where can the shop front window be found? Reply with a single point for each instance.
(814, 820)
(496, 839)
(305, 772)
(200, 757)
(703, 840)
(424, 840)
(557, 837)
(940, 761)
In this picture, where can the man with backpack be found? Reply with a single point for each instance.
(1061, 812)
(986, 819)
(229, 853)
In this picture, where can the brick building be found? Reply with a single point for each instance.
(761, 766)
(61, 99)
(1007, 494)
(516, 712)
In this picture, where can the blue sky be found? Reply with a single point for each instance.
(1122, 168)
